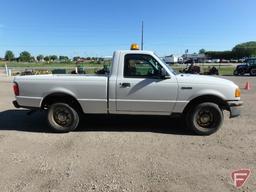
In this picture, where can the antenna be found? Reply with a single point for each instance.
(142, 35)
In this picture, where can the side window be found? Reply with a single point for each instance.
(251, 61)
(141, 66)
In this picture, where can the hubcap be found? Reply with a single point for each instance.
(205, 118)
(63, 116)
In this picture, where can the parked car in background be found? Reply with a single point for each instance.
(233, 61)
(248, 67)
(224, 61)
(215, 60)
(241, 60)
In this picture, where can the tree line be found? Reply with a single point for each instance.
(25, 56)
(243, 50)
(240, 51)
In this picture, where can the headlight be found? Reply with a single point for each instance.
(237, 92)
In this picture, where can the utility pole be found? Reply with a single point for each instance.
(142, 35)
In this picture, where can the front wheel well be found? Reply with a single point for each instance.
(60, 98)
(206, 98)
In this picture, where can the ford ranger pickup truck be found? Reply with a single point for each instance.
(137, 83)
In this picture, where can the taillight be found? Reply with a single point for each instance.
(16, 89)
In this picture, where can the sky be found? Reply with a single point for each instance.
(98, 27)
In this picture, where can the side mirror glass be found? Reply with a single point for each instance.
(164, 74)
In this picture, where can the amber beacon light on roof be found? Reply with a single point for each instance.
(135, 46)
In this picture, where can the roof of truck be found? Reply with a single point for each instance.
(135, 51)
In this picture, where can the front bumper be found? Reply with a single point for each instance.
(234, 108)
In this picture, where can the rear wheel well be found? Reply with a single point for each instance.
(205, 98)
(61, 98)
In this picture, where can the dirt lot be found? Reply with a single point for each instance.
(124, 153)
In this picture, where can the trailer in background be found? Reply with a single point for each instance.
(172, 59)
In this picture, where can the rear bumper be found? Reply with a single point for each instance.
(16, 104)
(235, 108)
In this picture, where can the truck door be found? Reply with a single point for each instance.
(141, 87)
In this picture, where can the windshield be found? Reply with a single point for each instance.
(168, 66)
(251, 61)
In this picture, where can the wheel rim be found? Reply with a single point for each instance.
(253, 72)
(63, 116)
(205, 118)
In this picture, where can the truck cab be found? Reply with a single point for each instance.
(137, 84)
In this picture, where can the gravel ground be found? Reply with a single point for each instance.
(124, 153)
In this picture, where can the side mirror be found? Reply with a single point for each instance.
(164, 74)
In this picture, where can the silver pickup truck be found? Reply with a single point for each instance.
(138, 83)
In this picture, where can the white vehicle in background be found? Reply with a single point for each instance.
(215, 60)
(138, 83)
(172, 59)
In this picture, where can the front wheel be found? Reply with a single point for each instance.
(253, 72)
(205, 118)
(62, 117)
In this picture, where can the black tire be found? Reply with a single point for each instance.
(253, 72)
(235, 73)
(62, 117)
(241, 72)
(205, 118)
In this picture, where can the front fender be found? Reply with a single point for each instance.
(204, 92)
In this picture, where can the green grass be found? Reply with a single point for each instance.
(227, 70)
(223, 70)
(18, 67)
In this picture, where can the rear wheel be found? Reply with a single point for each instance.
(63, 117)
(253, 72)
(205, 118)
(241, 72)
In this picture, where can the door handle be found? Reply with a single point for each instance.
(125, 85)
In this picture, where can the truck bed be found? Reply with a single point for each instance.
(89, 90)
